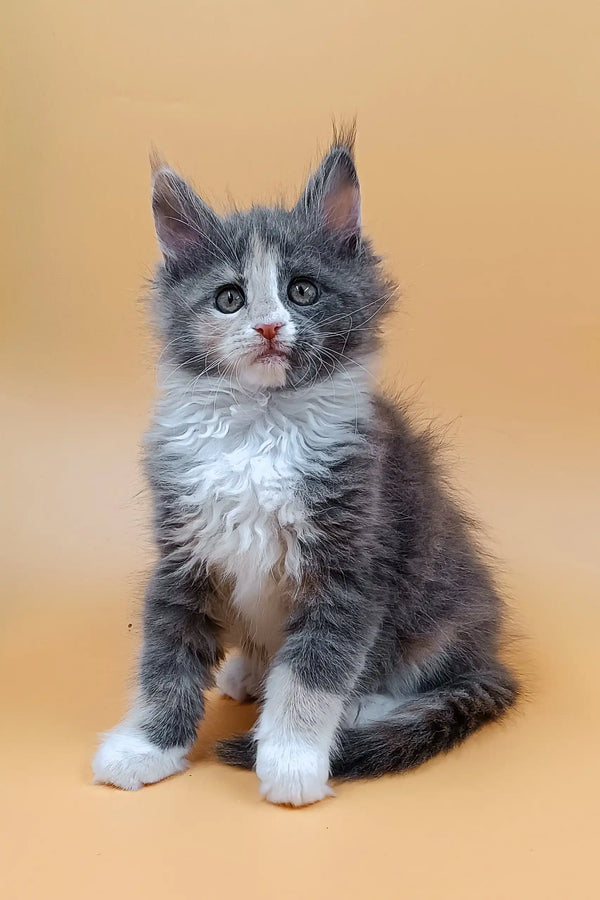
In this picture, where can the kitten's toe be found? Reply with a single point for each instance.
(237, 679)
(291, 775)
(127, 759)
(301, 791)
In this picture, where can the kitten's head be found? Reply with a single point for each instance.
(268, 297)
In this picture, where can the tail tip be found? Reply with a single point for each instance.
(239, 751)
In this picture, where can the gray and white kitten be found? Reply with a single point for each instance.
(298, 516)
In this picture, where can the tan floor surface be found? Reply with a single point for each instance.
(478, 151)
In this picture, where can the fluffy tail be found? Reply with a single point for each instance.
(427, 725)
(420, 728)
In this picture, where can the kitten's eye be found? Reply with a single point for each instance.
(229, 299)
(302, 291)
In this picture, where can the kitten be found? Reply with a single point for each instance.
(298, 516)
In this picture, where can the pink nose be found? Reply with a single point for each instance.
(269, 330)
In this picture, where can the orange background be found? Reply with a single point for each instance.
(479, 141)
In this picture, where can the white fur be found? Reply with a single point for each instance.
(262, 289)
(240, 678)
(295, 733)
(127, 759)
(236, 460)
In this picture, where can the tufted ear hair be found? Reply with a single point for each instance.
(332, 193)
(182, 220)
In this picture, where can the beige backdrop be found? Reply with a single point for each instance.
(479, 141)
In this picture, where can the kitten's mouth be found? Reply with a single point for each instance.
(268, 366)
(272, 354)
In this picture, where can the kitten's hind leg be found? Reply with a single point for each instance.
(241, 677)
(371, 708)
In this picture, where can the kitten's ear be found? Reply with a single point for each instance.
(182, 220)
(333, 194)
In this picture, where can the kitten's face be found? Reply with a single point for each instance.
(269, 298)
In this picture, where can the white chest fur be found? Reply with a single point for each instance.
(236, 462)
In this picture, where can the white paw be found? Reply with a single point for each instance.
(292, 773)
(239, 679)
(127, 759)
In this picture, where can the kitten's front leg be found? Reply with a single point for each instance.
(181, 648)
(312, 676)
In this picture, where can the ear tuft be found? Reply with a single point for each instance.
(344, 136)
(156, 159)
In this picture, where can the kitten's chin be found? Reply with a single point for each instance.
(270, 372)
